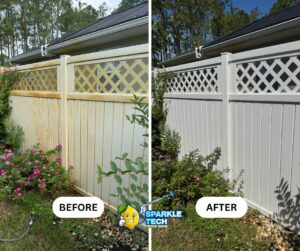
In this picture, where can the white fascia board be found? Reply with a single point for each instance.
(101, 33)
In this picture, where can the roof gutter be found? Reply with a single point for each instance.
(253, 35)
(99, 34)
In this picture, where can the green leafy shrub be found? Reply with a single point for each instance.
(14, 134)
(170, 142)
(7, 81)
(31, 169)
(190, 178)
(136, 193)
(159, 112)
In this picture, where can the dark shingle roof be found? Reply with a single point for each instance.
(124, 16)
(262, 23)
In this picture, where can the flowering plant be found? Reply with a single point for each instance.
(30, 169)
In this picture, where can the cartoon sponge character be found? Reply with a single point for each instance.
(129, 217)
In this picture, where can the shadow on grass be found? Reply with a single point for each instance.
(288, 207)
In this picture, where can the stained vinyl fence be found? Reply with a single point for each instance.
(81, 102)
(248, 104)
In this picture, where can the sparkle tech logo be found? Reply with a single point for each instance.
(159, 218)
(130, 218)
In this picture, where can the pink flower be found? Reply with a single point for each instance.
(20, 182)
(27, 183)
(42, 187)
(29, 163)
(44, 167)
(57, 172)
(36, 167)
(19, 195)
(59, 146)
(7, 163)
(32, 151)
(36, 172)
(36, 161)
(49, 175)
(3, 172)
(18, 189)
(197, 177)
(58, 159)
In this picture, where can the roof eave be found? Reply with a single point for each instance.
(253, 36)
(54, 49)
(98, 34)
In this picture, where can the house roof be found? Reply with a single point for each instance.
(120, 17)
(281, 27)
(107, 31)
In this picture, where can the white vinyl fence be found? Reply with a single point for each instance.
(249, 105)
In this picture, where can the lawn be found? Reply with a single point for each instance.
(196, 233)
(51, 233)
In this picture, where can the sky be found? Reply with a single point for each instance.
(112, 4)
(247, 5)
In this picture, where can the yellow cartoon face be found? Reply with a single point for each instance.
(131, 217)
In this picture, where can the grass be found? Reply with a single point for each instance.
(51, 233)
(43, 235)
(196, 233)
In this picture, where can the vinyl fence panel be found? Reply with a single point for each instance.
(248, 104)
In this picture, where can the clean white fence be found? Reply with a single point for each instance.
(248, 104)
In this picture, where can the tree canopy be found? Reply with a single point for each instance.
(26, 24)
(180, 26)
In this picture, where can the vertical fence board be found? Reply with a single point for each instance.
(275, 157)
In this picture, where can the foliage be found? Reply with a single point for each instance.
(133, 168)
(7, 81)
(126, 4)
(232, 20)
(280, 5)
(170, 142)
(31, 23)
(31, 169)
(180, 26)
(14, 134)
(190, 178)
(159, 112)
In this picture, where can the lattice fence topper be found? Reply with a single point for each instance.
(200, 80)
(38, 80)
(127, 76)
(269, 76)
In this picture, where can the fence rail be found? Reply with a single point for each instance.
(247, 104)
(82, 102)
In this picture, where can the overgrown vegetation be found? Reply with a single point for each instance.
(11, 135)
(136, 193)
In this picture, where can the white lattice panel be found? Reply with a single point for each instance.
(269, 76)
(195, 81)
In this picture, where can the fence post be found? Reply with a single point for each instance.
(63, 73)
(225, 82)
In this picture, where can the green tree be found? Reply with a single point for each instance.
(232, 21)
(180, 26)
(280, 5)
(125, 4)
